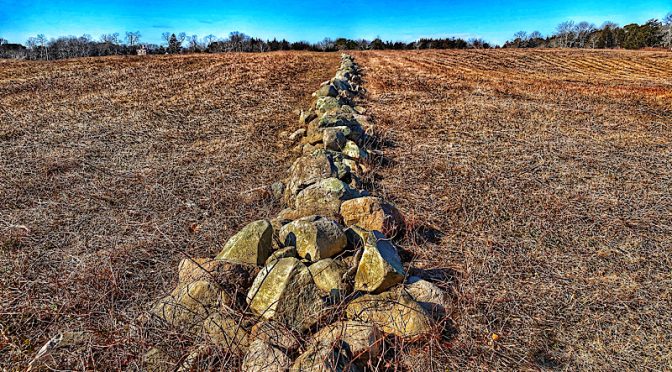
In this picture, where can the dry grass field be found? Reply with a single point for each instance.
(535, 185)
(112, 169)
(541, 183)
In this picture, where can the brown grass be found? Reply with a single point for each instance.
(114, 169)
(539, 181)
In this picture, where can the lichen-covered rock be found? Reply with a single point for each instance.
(310, 169)
(188, 305)
(325, 197)
(372, 213)
(328, 276)
(327, 91)
(352, 150)
(434, 299)
(282, 253)
(276, 334)
(364, 340)
(227, 332)
(394, 312)
(334, 139)
(326, 104)
(285, 292)
(251, 245)
(314, 237)
(297, 134)
(333, 358)
(380, 266)
(263, 357)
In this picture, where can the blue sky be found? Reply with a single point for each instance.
(313, 20)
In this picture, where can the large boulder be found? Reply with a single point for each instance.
(364, 340)
(372, 213)
(282, 253)
(434, 299)
(284, 291)
(328, 276)
(314, 237)
(188, 305)
(380, 266)
(227, 332)
(325, 197)
(251, 245)
(394, 312)
(327, 90)
(263, 357)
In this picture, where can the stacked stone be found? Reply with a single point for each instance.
(324, 270)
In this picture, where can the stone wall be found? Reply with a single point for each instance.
(321, 286)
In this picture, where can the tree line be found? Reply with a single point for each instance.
(569, 34)
(42, 48)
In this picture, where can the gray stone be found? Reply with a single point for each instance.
(325, 197)
(315, 238)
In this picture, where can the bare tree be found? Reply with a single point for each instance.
(42, 42)
(3, 41)
(565, 31)
(582, 31)
(132, 38)
(193, 42)
(536, 35)
(667, 31)
(209, 39)
(166, 36)
(522, 35)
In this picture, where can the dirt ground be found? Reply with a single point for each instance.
(539, 183)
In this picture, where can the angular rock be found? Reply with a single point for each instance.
(434, 299)
(326, 104)
(394, 312)
(263, 357)
(328, 276)
(277, 189)
(327, 91)
(380, 266)
(232, 278)
(285, 292)
(334, 139)
(251, 245)
(282, 253)
(372, 213)
(307, 117)
(364, 340)
(336, 358)
(314, 237)
(188, 305)
(312, 168)
(341, 84)
(276, 334)
(227, 332)
(325, 197)
(352, 150)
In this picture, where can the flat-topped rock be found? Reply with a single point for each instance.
(372, 213)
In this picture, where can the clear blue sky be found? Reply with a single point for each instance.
(404, 20)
